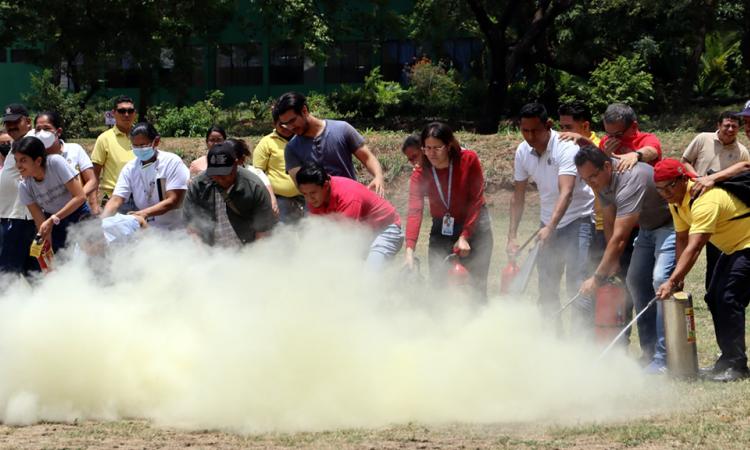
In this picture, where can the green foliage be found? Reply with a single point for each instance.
(714, 77)
(433, 90)
(322, 106)
(46, 95)
(620, 80)
(190, 121)
(376, 99)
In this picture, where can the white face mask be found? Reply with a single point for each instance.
(48, 138)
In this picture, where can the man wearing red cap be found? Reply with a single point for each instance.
(721, 218)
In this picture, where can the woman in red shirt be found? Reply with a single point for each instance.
(452, 179)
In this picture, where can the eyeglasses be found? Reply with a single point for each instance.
(667, 187)
(433, 149)
(125, 110)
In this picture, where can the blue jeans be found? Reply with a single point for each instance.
(385, 245)
(17, 237)
(567, 249)
(651, 265)
(291, 209)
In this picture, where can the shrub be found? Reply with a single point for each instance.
(376, 98)
(433, 89)
(189, 121)
(77, 117)
(620, 80)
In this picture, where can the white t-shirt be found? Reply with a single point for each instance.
(11, 206)
(557, 160)
(50, 194)
(76, 157)
(171, 173)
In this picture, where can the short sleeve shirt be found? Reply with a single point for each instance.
(706, 152)
(112, 151)
(332, 149)
(638, 141)
(545, 170)
(714, 212)
(11, 206)
(149, 185)
(353, 200)
(633, 192)
(50, 194)
(76, 157)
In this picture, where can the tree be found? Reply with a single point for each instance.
(511, 31)
(82, 39)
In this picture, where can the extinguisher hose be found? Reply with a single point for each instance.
(528, 241)
(627, 327)
(565, 306)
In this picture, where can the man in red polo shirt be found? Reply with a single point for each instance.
(624, 141)
(347, 198)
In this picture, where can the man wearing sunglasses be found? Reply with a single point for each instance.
(624, 141)
(630, 199)
(112, 148)
(721, 218)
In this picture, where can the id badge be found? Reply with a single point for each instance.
(448, 225)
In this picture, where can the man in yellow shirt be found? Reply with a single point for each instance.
(112, 149)
(268, 156)
(721, 218)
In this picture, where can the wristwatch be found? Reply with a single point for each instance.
(55, 219)
(640, 155)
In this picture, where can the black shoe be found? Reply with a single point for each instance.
(730, 374)
(708, 372)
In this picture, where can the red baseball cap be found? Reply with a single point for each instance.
(669, 169)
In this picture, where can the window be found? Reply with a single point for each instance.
(239, 65)
(397, 55)
(23, 55)
(465, 55)
(349, 63)
(194, 75)
(3, 55)
(287, 65)
(123, 73)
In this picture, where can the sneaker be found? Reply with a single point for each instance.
(731, 374)
(656, 367)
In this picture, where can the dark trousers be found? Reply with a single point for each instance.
(17, 237)
(727, 298)
(712, 255)
(60, 231)
(478, 261)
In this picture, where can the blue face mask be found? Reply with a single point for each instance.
(144, 153)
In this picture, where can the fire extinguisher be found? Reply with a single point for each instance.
(42, 251)
(458, 275)
(610, 314)
(508, 275)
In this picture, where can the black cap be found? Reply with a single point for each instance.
(15, 111)
(221, 159)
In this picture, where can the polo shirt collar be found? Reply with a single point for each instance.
(118, 132)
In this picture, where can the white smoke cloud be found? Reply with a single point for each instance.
(289, 334)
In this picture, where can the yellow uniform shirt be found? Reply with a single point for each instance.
(598, 216)
(111, 151)
(712, 213)
(268, 156)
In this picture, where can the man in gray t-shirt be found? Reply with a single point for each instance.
(630, 199)
(330, 143)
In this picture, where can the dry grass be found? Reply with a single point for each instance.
(709, 415)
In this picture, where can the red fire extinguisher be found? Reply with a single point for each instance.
(42, 251)
(458, 275)
(508, 275)
(610, 314)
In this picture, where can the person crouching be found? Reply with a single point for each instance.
(325, 194)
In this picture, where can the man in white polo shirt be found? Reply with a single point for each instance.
(156, 179)
(566, 207)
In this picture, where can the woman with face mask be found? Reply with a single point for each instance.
(156, 179)
(50, 189)
(48, 128)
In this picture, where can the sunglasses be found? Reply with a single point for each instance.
(125, 110)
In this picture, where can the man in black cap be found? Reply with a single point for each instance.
(16, 225)
(227, 205)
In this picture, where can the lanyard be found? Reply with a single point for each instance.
(149, 184)
(447, 204)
